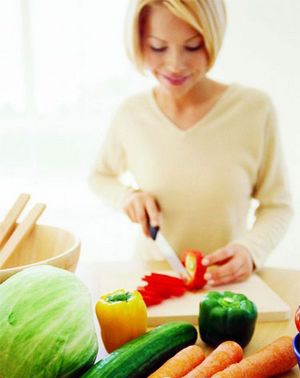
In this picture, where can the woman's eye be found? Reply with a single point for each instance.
(158, 49)
(193, 48)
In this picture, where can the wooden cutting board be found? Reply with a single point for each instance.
(105, 277)
(270, 306)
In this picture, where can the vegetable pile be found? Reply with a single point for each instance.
(47, 331)
(46, 325)
(163, 353)
(226, 322)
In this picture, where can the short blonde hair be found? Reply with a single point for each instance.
(208, 17)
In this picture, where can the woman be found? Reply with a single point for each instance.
(199, 150)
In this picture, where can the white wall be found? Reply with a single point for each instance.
(262, 49)
(71, 71)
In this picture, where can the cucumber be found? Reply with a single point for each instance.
(140, 357)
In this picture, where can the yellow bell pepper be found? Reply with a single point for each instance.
(122, 316)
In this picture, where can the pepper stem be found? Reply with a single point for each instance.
(119, 297)
(229, 302)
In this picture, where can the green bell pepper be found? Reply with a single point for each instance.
(226, 316)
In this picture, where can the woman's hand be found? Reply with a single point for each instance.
(142, 208)
(232, 263)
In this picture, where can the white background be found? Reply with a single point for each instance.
(63, 70)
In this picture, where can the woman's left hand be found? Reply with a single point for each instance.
(232, 263)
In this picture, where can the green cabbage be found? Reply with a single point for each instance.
(46, 325)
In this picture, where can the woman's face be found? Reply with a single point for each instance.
(173, 51)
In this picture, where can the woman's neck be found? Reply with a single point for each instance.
(185, 111)
(198, 95)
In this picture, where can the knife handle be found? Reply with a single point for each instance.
(153, 231)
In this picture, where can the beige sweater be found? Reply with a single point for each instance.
(203, 178)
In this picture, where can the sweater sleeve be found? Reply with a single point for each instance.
(111, 162)
(274, 210)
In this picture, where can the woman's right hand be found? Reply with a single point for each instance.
(142, 208)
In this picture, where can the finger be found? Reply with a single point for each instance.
(241, 275)
(224, 272)
(152, 211)
(223, 280)
(129, 211)
(141, 216)
(218, 256)
(131, 214)
(227, 279)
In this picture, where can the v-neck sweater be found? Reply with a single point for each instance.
(204, 178)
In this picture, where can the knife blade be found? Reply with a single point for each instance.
(168, 252)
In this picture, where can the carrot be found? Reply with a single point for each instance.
(180, 364)
(225, 354)
(275, 358)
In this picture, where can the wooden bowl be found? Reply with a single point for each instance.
(44, 245)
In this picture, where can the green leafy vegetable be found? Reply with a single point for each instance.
(46, 325)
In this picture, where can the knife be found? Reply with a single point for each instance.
(168, 252)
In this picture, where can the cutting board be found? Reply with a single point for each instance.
(106, 277)
(270, 306)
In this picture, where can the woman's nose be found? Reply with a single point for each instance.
(175, 60)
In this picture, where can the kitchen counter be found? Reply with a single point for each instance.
(285, 283)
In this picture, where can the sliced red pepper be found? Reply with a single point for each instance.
(164, 284)
(164, 279)
(160, 291)
(145, 290)
(165, 290)
(192, 260)
(150, 297)
(160, 287)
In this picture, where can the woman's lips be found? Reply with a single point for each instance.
(175, 80)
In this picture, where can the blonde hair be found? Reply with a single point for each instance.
(208, 17)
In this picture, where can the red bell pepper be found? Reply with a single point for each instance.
(192, 260)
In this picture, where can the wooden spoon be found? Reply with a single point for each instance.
(21, 231)
(9, 222)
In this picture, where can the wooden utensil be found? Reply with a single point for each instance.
(9, 222)
(21, 231)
